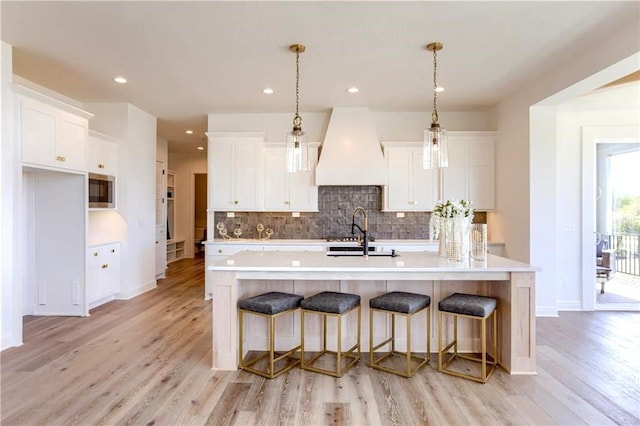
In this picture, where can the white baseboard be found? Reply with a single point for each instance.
(128, 294)
(569, 305)
(7, 342)
(547, 311)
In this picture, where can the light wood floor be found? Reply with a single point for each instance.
(147, 361)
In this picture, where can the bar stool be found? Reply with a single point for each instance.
(271, 306)
(331, 304)
(406, 305)
(473, 307)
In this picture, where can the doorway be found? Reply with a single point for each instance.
(611, 227)
(199, 212)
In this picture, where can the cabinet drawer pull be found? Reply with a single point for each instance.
(101, 166)
(61, 158)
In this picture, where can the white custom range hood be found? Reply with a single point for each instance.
(351, 152)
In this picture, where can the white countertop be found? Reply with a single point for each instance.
(321, 242)
(308, 261)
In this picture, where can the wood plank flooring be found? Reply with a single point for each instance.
(148, 361)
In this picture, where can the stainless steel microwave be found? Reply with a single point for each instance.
(102, 191)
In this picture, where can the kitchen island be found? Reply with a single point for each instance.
(305, 272)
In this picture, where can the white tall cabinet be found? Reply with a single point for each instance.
(289, 191)
(470, 174)
(235, 177)
(410, 186)
(53, 141)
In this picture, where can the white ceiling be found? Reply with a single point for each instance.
(184, 60)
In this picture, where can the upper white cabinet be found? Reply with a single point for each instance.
(288, 191)
(235, 161)
(52, 134)
(410, 186)
(102, 154)
(470, 174)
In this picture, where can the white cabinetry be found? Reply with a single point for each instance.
(175, 250)
(102, 155)
(470, 174)
(52, 134)
(103, 273)
(288, 191)
(235, 169)
(410, 186)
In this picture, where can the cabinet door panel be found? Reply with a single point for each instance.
(423, 184)
(399, 187)
(221, 192)
(38, 128)
(276, 195)
(93, 275)
(455, 175)
(71, 142)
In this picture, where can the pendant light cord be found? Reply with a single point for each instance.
(434, 114)
(297, 121)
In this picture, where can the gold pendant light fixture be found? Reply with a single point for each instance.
(435, 138)
(297, 148)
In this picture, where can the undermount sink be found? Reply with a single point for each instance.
(391, 253)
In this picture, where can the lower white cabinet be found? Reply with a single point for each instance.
(103, 273)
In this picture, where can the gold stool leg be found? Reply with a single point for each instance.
(428, 355)
(241, 331)
(272, 329)
(339, 354)
(302, 312)
(483, 343)
(371, 343)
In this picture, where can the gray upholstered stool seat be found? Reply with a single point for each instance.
(468, 304)
(270, 306)
(406, 305)
(331, 302)
(475, 308)
(337, 305)
(400, 301)
(271, 303)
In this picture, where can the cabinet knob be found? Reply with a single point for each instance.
(235, 202)
(95, 253)
(61, 158)
(105, 266)
(156, 242)
(101, 166)
(219, 250)
(287, 202)
(113, 250)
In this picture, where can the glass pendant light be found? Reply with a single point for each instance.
(435, 138)
(297, 148)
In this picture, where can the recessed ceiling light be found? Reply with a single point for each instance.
(120, 79)
(201, 148)
(353, 90)
(439, 89)
(189, 132)
(268, 91)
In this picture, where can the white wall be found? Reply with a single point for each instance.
(10, 181)
(390, 126)
(526, 155)
(136, 134)
(185, 166)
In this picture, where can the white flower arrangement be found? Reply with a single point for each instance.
(448, 209)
